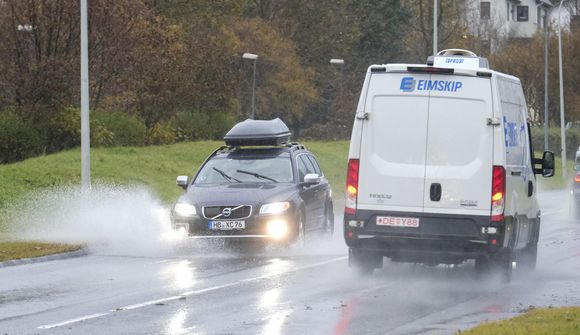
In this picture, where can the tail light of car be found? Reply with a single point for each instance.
(351, 186)
(498, 194)
(577, 178)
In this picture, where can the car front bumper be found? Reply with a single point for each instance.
(255, 229)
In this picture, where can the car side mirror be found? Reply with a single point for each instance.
(182, 181)
(312, 179)
(548, 164)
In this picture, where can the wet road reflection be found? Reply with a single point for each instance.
(205, 289)
(275, 322)
(181, 274)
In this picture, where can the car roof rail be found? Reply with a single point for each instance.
(295, 146)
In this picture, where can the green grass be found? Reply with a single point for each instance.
(154, 167)
(18, 250)
(561, 321)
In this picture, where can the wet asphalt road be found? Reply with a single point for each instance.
(197, 289)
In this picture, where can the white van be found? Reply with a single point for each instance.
(441, 168)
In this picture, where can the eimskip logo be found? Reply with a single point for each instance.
(407, 84)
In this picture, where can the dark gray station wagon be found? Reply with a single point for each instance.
(258, 187)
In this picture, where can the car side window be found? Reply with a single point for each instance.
(315, 165)
(302, 168)
(309, 166)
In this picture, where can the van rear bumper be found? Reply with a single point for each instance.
(439, 238)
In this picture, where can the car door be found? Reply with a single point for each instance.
(459, 155)
(393, 145)
(321, 193)
(307, 193)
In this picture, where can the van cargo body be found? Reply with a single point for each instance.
(440, 167)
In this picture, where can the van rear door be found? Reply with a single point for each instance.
(393, 145)
(459, 147)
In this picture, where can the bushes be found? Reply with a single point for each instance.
(19, 139)
(195, 125)
(572, 140)
(126, 130)
(161, 133)
(65, 130)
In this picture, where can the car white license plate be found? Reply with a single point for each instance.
(226, 225)
(396, 221)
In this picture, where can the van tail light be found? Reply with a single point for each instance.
(498, 194)
(577, 178)
(351, 186)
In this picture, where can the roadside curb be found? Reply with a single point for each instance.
(63, 255)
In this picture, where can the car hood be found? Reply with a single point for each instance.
(234, 194)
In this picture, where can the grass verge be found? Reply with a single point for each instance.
(154, 167)
(545, 321)
(26, 249)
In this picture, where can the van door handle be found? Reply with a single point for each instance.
(530, 188)
(362, 116)
(435, 192)
(516, 173)
(493, 121)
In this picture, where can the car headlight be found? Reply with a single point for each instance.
(182, 209)
(275, 207)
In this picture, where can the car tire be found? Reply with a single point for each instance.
(329, 222)
(364, 261)
(482, 266)
(528, 257)
(503, 263)
(300, 238)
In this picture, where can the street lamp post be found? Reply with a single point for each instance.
(85, 129)
(253, 57)
(562, 121)
(435, 27)
(340, 62)
(546, 39)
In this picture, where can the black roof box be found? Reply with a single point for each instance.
(258, 132)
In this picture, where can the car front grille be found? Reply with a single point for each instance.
(220, 212)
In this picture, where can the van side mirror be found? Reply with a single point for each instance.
(182, 181)
(548, 164)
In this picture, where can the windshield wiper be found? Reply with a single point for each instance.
(226, 176)
(257, 175)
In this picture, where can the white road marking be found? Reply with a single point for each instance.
(68, 322)
(188, 293)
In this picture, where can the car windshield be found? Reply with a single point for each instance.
(232, 169)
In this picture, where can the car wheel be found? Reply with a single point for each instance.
(329, 222)
(364, 261)
(503, 263)
(301, 232)
(529, 257)
(482, 266)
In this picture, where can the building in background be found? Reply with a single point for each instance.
(495, 21)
